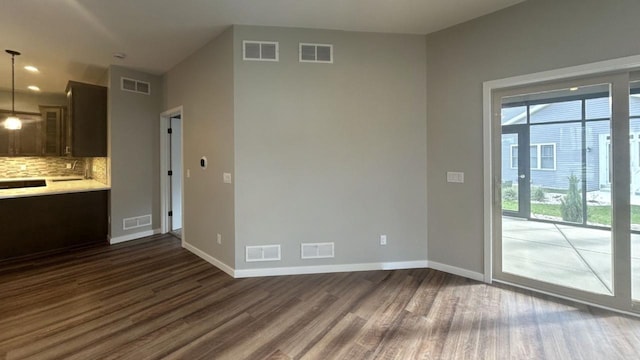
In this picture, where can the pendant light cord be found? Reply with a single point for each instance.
(13, 84)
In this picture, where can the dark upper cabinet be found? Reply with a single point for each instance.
(27, 141)
(6, 141)
(52, 130)
(86, 128)
(24, 142)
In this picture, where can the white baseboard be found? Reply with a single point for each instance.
(208, 258)
(299, 270)
(456, 271)
(320, 269)
(133, 236)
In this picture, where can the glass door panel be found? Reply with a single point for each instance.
(510, 161)
(564, 237)
(515, 162)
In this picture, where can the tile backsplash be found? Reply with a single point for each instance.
(99, 169)
(26, 167)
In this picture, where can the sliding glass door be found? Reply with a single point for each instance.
(634, 139)
(565, 184)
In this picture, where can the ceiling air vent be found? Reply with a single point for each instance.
(260, 50)
(263, 253)
(317, 53)
(137, 86)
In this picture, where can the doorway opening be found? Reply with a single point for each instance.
(171, 158)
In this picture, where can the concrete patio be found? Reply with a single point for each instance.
(562, 254)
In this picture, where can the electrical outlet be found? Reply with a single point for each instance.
(68, 165)
(226, 177)
(23, 167)
(219, 239)
(383, 239)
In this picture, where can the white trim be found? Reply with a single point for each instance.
(569, 298)
(538, 166)
(262, 248)
(315, 45)
(208, 258)
(320, 269)
(244, 50)
(456, 271)
(137, 219)
(540, 145)
(489, 183)
(164, 161)
(122, 79)
(511, 147)
(625, 63)
(317, 248)
(134, 236)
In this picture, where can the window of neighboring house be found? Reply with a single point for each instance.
(547, 156)
(542, 156)
(514, 156)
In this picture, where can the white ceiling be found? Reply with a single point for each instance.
(75, 39)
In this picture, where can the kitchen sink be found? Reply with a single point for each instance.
(17, 184)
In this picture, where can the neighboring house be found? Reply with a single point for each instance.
(557, 146)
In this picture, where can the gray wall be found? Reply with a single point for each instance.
(331, 152)
(134, 127)
(29, 102)
(203, 84)
(530, 37)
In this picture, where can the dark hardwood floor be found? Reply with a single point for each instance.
(151, 299)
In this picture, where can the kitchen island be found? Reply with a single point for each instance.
(64, 213)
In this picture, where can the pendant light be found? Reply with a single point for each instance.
(13, 122)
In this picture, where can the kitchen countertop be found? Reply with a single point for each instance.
(55, 185)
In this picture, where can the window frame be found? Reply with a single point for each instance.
(538, 165)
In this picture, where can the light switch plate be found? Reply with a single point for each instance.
(455, 177)
(226, 177)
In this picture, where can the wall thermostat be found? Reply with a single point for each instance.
(203, 162)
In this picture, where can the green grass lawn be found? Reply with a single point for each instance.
(595, 214)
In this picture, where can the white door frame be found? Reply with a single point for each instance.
(491, 186)
(165, 186)
(491, 127)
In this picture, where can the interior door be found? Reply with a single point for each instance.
(515, 171)
(175, 160)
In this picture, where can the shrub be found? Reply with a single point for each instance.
(538, 194)
(571, 204)
(509, 193)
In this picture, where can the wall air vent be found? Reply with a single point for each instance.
(316, 250)
(260, 50)
(136, 222)
(137, 86)
(263, 253)
(316, 53)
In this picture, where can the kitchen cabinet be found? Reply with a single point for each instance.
(52, 130)
(48, 223)
(24, 142)
(86, 127)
